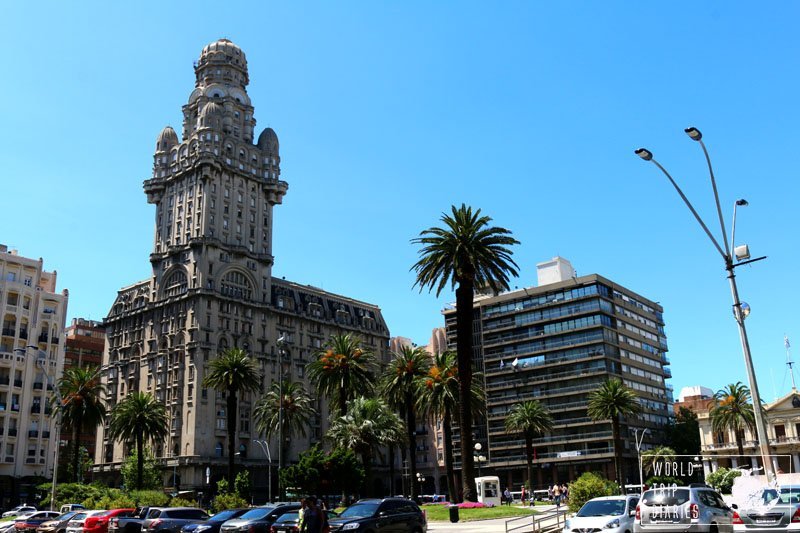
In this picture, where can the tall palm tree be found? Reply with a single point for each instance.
(465, 253)
(296, 416)
(343, 370)
(399, 387)
(368, 424)
(530, 418)
(437, 395)
(138, 417)
(612, 400)
(233, 371)
(733, 411)
(81, 406)
(655, 455)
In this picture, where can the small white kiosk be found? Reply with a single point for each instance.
(488, 488)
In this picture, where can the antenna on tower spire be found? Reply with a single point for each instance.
(789, 362)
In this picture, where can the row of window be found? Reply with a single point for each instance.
(551, 297)
(549, 313)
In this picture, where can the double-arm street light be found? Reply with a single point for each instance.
(741, 255)
(480, 459)
(281, 353)
(264, 445)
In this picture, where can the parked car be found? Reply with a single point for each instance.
(389, 515)
(290, 522)
(57, 524)
(696, 508)
(259, 519)
(29, 523)
(611, 514)
(9, 526)
(172, 519)
(99, 523)
(133, 523)
(780, 511)
(213, 524)
(72, 507)
(19, 510)
(76, 523)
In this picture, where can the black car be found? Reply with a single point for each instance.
(213, 524)
(390, 515)
(290, 522)
(258, 519)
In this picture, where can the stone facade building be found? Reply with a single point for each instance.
(31, 361)
(212, 287)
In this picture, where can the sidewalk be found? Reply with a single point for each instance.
(495, 525)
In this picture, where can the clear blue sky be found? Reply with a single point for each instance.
(389, 112)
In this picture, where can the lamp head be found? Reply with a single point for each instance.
(693, 133)
(742, 202)
(645, 154)
(281, 340)
(478, 446)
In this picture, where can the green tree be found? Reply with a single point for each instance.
(296, 416)
(242, 484)
(466, 253)
(368, 424)
(733, 411)
(231, 372)
(530, 418)
(343, 370)
(65, 468)
(225, 498)
(683, 435)
(437, 395)
(612, 400)
(722, 479)
(659, 454)
(399, 385)
(81, 406)
(151, 472)
(589, 485)
(138, 417)
(321, 472)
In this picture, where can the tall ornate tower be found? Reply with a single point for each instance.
(212, 287)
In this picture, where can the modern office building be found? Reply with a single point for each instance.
(85, 340)
(31, 360)
(556, 343)
(212, 286)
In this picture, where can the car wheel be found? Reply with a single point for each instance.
(712, 528)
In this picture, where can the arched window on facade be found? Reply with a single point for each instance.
(175, 284)
(236, 285)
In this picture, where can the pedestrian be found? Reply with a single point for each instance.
(507, 496)
(564, 492)
(522, 497)
(300, 512)
(312, 517)
(557, 495)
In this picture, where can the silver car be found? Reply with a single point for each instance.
(779, 511)
(609, 514)
(694, 509)
(75, 525)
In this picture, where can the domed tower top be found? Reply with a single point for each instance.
(222, 61)
(166, 139)
(268, 141)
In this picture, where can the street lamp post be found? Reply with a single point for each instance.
(740, 309)
(281, 345)
(420, 480)
(639, 453)
(478, 457)
(264, 445)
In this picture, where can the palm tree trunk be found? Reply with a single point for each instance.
(231, 401)
(392, 491)
(76, 452)
(739, 445)
(411, 422)
(529, 456)
(366, 458)
(139, 459)
(617, 450)
(342, 400)
(448, 456)
(464, 297)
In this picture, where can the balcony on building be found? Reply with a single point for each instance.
(38, 385)
(18, 383)
(43, 337)
(12, 432)
(23, 334)
(5, 380)
(33, 433)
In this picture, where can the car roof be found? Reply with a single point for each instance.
(618, 497)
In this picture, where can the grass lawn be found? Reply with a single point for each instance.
(440, 513)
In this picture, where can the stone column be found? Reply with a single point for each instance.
(734, 462)
(796, 463)
(706, 467)
(714, 465)
(754, 461)
(774, 464)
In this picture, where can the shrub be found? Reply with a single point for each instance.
(177, 501)
(73, 493)
(471, 505)
(589, 485)
(227, 500)
(147, 498)
(722, 479)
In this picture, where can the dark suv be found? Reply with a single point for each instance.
(258, 519)
(390, 515)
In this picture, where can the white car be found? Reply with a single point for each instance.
(10, 526)
(75, 525)
(609, 514)
(20, 509)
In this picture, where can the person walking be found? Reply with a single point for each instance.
(312, 517)
(507, 496)
(557, 495)
(522, 497)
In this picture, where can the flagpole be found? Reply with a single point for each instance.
(789, 362)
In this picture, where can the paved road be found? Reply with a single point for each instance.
(496, 525)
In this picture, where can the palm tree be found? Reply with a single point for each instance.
(81, 406)
(296, 416)
(231, 372)
(466, 253)
(343, 370)
(733, 411)
(530, 418)
(399, 386)
(437, 395)
(136, 418)
(368, 424)
(612, 400)
(654, 455)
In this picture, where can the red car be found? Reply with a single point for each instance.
(99, 523)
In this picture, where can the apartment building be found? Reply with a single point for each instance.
(31, 360)
(556, 343)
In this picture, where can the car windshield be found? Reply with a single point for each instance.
(602, 508)
(79, 516)
(224, 515)
(65, 516)
(288, 517)
(359, 510)
(790, 495)
(257, 513)
(666, 496)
